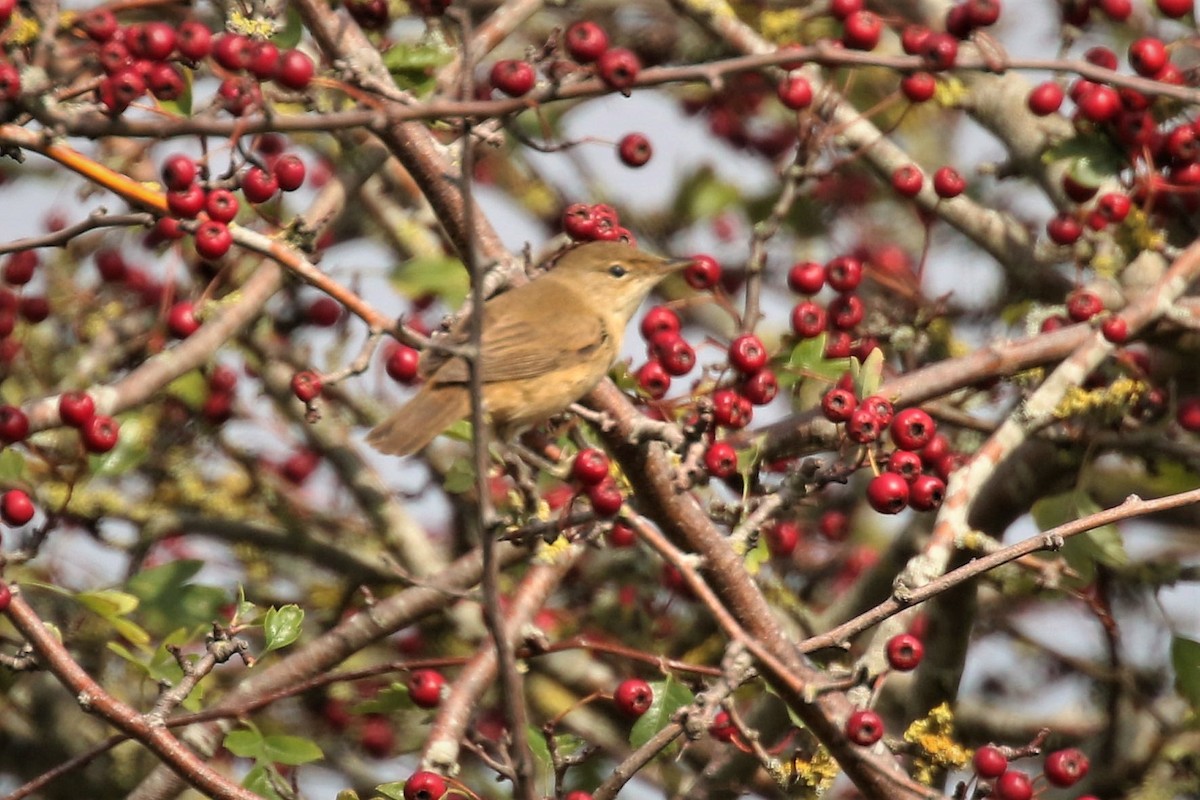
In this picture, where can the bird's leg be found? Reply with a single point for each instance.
(598, 418)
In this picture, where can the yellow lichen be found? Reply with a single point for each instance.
(552, 552)
(23, 30)
(250, 26)
(936, 749)
(1120, 395)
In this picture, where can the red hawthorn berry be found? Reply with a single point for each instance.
(306, 385)
(99, 24)
(659, 319)
(989, 762)
(618, 68)
(165, 82)
(14, 425)
(841, 9)
(844, 274)
(16, 508)
(586, 41)
(1148, 56)
(295, 70)
(948, 183)
(373, 15)
(674, 353)
(864, 426)
(864, 727)
(918, 87)
(213, 239)
(782, 538)
(1045, 98)
(908, 180)
(425, 687)
(193, 40)
(221, 205)
(621, 535)
(100, 434)
(378, 739)
(1174, 8)
(940, 51)
(703, 273)
(1013, 785)
(1115, 329)
(747, 354)
(187, 203)
(324, 312)
(838, 405)
(913, 39)
(288, 171)
(402, 364)
(634, 149)
(578, 222)
(845, 312)
(299, 466)
(905, 463)
(730, 409)
(806, 277)
(151, 40)
(654, 380)
(881, 408)
(912, 429)
(1066, 767)
(605, 497)
(834, 525)
(795, 92)
(590, 466)
(904, 652)
(722, 728)
(720, 459)
(76, 408)
(19, 268)
(888, 493)
(1083, 305)
(232, 51)
(181, 319)
(861, 30)
(761, 388)
(179, 172)
(1100, 104)
(808, 319)
(633, 697)
(1064, 229)
(258, 185)
(513, 77)
(982, 13)
(927, 493)
(1114, 206)
(423, 785)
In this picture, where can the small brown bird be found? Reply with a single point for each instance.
(545, 345)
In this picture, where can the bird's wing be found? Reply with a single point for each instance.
(515, 347)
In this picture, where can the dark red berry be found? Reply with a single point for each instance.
(806, 277)
(659, 319)
(1013, 785)
(590, 466)
(913, 39)
(940, 51)
(1100, 104)
(213, 239)
(99, 24)
(232, 51)
(289, 172)
(912, 429)
(720, 459)
(179, 172)
(703, 273)
(151, 40)
(165, 82)
(919, 86)
(722, 728)
(193, 40)
(586, 41)
(258, 185)
(1066, 767)
(844, 274)
(221, 205)
(838, 405)
(1148, 56)
(1082, 305)
(888, 493)
(324, 312)
(187, 203)
(422, 785)
(782, 538)
(761, 388)
(1064, 229)
(618, 68)
(881, 408)
(20, 266)
(306, 385)
(730, 409)
(634, 149)
(948, 183)
(864, 727)
(1174, 8)
(864, 426)
(605, 497)
(621, 535)
(181, 319)
(905, 463)
(747, 354)
(904, 652)
(16, 508)
(834, 525)
(927, 493)
(654, 380)
(674, 353)
(989, 762)
(795, 92)
(513, 77)
(633, 697)
(100, 433)
(861, 30)
(295, 70)
(1115, 329)
(402, 363)
(76, 408)
(425, 687)
(14, 425)
(1045, 98)
(808, 319)
(841, 9)
(5, 597)
(846, 311)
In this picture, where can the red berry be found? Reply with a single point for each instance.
(605, 497)
(621, 535)
(306, 385)
(633, 697)
(844, 274)
(232, 51)
(864, 426)
(881, 408)
(674, 353)
(14, 425)
(187, 203)
(179, 172)
(888, 493)
(703, 273)
(19, 268)
(213, 239)
(165, 82)
(1064, 229)
(948, 183)
(1148, 56)
(99, 24)
(1045, 98)
(861, 30)
(845, 312)
(402, 364)
(193, 40)
(654, 380)
(782, 538)
(904, 652)
(912, 429)
(100, 434)
(1115, 329)
(834, 525)
(722, 728)
(918, 87)
(747, 354)
(578, 222)
(151, 40)
(1114, 206)
(221, 205)
(982, 13)
(299, 465)
(590, 466)
(423, 785)
(111, 265)
(905, 463)
(323, 312)
(1174, 8)
(761, 388)
(1083, 305)
(634, 149)
(16, 508)
(295, 70)
(838, 405)
(908, 180)
(989, 762)
(927, 493)
(940, 51)
(720, 459)
(618, 68)
(377, 739)
(841, 9)
(1066, 767)
(864, 727)
(1116, 10)
(513, 77)
(76, 408)
(1100, 104)
(795, 92)
(425, 687)
(730, 409)
(258, 185)
(659, 319)
(913, 39)
(808, 319)
(1013, 785)
(586, 41)
(181, 319)
(372, 15)
(288, 171)
(806, 277)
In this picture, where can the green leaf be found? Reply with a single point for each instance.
(289, 36)
(868, 374)
(258, 780)
(444, 277)
(1093, 159)
(108, 602)
(291, 750)
(392, 791)
(703, 195)
(12, 465)
(1102, 545)
(460, 478)
(807, 359)
(169, 601)
(244, 743)
(190, 388)
(540, 751)
(246, 611)
(669, 696)
(282, 627)
(124, 652)
(1185, 659)
(386, 701)
(130, 631)
(422, 57)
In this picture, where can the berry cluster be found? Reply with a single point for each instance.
(1062, 769)
(587, 45)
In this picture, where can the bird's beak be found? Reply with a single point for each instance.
(676, 264)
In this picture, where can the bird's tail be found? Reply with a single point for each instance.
(431, 411)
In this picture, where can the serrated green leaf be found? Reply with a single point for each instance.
(444, 277)
(244, 743)
(669, 696)
(12, 465)
(282, 626)
(108, 602)
(190, 388)
(1185, 659)
(386, 701)
(280, 748)
(258, 780)
(393, 790)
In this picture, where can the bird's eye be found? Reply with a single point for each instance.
(617, 271)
